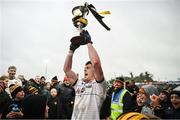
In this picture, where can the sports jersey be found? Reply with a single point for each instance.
(88, 100)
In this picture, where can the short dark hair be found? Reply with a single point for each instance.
(42, 77)
(88, 62)
(175, 92)
(11, 67)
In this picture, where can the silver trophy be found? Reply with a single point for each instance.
(80, 22)
(79, 14)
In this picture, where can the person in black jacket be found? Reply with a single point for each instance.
(55, 105)
(12, 108)
(34, 83)
(67, 95)
(34, 106)
(4, 96)
(106, 106)
(174, 111)
(164, 99)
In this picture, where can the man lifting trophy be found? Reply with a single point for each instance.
(90, 91)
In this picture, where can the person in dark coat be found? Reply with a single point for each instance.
(55, 105)
(133, 89)
(164, 99)
(67, 96)
(4, 96)
(106, 106)
(13, 108)
(34, 83)
(46, 90)
(174, 111)
(34, 106)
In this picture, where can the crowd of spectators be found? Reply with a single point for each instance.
(37, 98)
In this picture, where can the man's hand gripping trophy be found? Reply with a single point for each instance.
(80, 22)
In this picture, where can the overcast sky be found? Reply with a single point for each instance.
(144, 36)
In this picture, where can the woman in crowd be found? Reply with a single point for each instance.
(144, 101)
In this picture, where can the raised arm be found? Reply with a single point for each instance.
(95, 60)
(93, 56)
(72, 76)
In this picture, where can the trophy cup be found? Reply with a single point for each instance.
(80, 22)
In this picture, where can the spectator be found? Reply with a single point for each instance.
(174, 111)
(164, 99)
(11, 74)
(3, 83)
(13, 107)
(35, 107)
(46, 89)
(55, 105)
(48, 86)
(4, 97)
(55, 83)
(145, 103)
(23, 80)
(42, 80)
(105, 111)
(133, 89)
(34, 83)
(67, 95)
(121, 99)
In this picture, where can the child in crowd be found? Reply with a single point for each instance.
(55, 105)
(173, 112)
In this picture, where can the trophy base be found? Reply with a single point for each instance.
(78, 40)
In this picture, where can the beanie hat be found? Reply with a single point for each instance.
(55, 79)
(33, 106)
(148, 90)
(121, 79)
(32, 90)
(14, 89)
